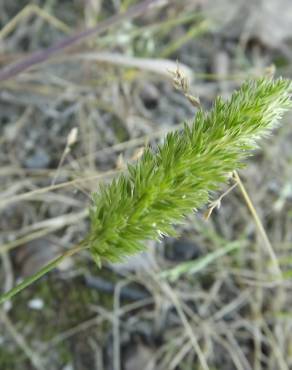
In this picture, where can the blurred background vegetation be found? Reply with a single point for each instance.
(205, 300)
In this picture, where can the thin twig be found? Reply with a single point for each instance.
(42, 55)
(193, 340)
(26, 12)
(217, 203)
(259, 225)
(35, 360)
(32, 193)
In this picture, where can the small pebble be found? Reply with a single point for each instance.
(68, 367)
(36, 304)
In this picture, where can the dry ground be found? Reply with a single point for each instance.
(207, 300)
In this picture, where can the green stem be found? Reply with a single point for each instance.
(31, 279)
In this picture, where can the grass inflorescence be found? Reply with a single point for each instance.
(168, 183)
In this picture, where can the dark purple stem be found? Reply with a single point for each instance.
(42, 55)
